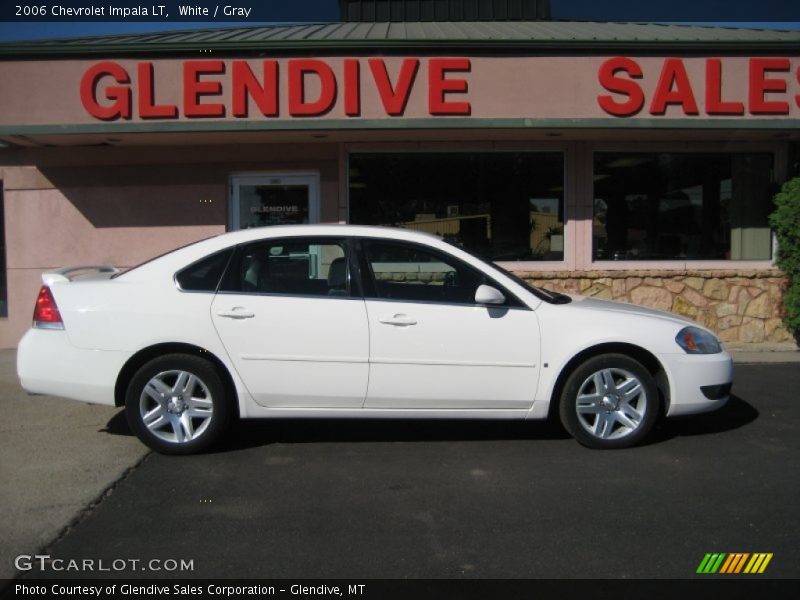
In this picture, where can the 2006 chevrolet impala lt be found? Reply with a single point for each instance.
(348, 321)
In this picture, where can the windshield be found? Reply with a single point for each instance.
(542, 294)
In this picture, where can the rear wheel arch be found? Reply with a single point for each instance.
(645, 357)
(145, 355)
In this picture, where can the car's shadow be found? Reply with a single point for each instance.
(248, 434)
(118, 425)
(261, 432)
(735, 414)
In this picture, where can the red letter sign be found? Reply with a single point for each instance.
(394, 100)
(673, 73)
(609, 80)
(245, 85)
(148, 109)
(298, 106)
(715, 105)
(352, 88)
(121, 108)
(193, 88)
(439, 85)
(797, 96)
(760, 85)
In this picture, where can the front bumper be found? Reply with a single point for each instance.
(698, 382)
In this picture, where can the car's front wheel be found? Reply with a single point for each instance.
(177, 404)
(609, 401)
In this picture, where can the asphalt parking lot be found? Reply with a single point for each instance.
(461, 499)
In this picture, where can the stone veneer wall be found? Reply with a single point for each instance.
(741, 306)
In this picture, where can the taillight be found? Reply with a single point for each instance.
(45, 313)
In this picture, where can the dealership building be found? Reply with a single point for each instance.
(625, 161)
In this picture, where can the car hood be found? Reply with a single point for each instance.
(594, 304)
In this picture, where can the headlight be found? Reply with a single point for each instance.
(698, 341)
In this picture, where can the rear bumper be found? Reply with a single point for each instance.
(698, 382)
(48, 364)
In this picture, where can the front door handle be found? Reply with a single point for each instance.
(237, 312)
(399, 320)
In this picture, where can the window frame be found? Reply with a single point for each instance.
(586, 260)
(354, 289)
(3, 255)
(579, 191)
(567, 150)
(231, 250)
(369, 290)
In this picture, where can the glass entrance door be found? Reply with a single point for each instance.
(274, 199)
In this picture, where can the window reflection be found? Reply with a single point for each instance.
(500, 205)
(685, 206)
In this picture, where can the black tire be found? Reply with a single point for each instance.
(183, 420)
(607, 424)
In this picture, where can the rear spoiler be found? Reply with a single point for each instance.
(70, 273)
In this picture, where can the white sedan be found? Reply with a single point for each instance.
(345, 321)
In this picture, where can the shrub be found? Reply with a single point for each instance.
(785, 220)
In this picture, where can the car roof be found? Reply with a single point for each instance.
(183, 257)
(324, 229)
(186, 255)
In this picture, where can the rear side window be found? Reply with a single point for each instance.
(293, 266)
(204, 275)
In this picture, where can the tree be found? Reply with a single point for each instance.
(785, 220)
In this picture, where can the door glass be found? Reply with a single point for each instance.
(407, 272)
(270, 204)
(291, 266)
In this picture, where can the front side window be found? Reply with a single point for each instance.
(682, 206)
(291, 266)
(412, 273)
(504, 206)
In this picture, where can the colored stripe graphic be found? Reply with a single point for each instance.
(733, 563)
(711, 563)
(741, 562)
(703, 563)
(758, 563)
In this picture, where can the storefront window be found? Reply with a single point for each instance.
(682, 206)
(3, 275)
(501, 205)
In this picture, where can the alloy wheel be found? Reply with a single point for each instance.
(611, 404)
(176, 406)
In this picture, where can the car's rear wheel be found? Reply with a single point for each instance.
(177, 404)
(609, 401)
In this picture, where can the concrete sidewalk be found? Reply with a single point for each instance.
(764, 353)
(56, 458)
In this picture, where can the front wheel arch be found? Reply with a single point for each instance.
(648, 360)
(145, 355)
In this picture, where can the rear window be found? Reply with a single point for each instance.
(149, 260)
(204, 275)
(293, 266)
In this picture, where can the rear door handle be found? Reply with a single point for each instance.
(237, 312)
(399, 320)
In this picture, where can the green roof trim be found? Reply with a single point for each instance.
(366, 124)
(429, 36)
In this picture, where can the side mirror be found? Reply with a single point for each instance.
(486, 294)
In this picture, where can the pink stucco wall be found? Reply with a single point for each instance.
(122, 206)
